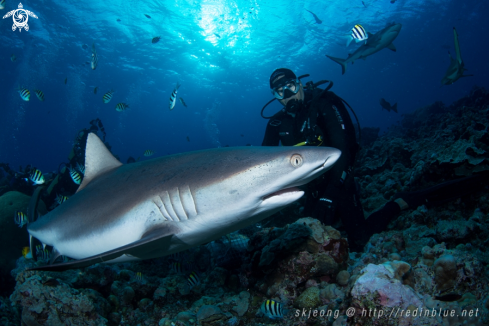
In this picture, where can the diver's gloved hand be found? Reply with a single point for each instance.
(312, 139)
(324, 211)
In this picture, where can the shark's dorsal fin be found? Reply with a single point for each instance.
(370, 41)
(98, 160)
(392, 47)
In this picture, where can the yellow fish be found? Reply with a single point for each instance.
(26, 253)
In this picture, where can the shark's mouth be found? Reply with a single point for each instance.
(283, 193)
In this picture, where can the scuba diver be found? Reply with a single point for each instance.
(315, 117)
(318, 117)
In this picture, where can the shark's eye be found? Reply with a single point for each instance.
(296, 160)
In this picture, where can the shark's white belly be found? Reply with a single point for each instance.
(129, 228)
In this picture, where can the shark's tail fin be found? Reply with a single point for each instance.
(394, 108)
(342, 62)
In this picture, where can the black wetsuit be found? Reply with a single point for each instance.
(334, 194)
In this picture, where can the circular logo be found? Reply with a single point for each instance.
(20, 18)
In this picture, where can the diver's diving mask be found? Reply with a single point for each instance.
(286, 90)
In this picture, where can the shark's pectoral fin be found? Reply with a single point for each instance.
(54, 255)
(152, 242)
(392, 47)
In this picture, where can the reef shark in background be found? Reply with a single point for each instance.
(456, 68)
(376, 42)
(316, 18)
(162, 206)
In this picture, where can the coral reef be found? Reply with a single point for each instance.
(428, 268)
(13, 237)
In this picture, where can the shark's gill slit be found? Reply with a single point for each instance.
(161, 207)
(169, 207)
(180, 199)
(193, 200)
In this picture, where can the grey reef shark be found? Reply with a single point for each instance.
(154, 208)
(457, 67)
(376, 42)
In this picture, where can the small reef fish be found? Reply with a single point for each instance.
(237, 241)
(39, 94)
(42, 253)
(318, 21)
(20, 219)
(13, 58)
(449, 297)
(393, 1)
(272, 309)
(156, 39)
(95, 90)
(363, 3)
(193, 280)
(121, 107)
(118, 20)
(148, 16)
(139, 277)
(36, 177)
(217, 35)
(75, 176)
(386, 105)
(182, 101)
(108, 96)
(173, 97)
(358, 33)
(66, 80)
(2, 4)
(188, 139)
(24, 94)
(148, 152)
(51, 282)
(61, 199)
(176, 267)
(94, 61)
(26, 253)
(80, 168)
(175, 256)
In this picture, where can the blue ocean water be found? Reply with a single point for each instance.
(222, 53)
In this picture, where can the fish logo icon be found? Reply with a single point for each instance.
(20, 17)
